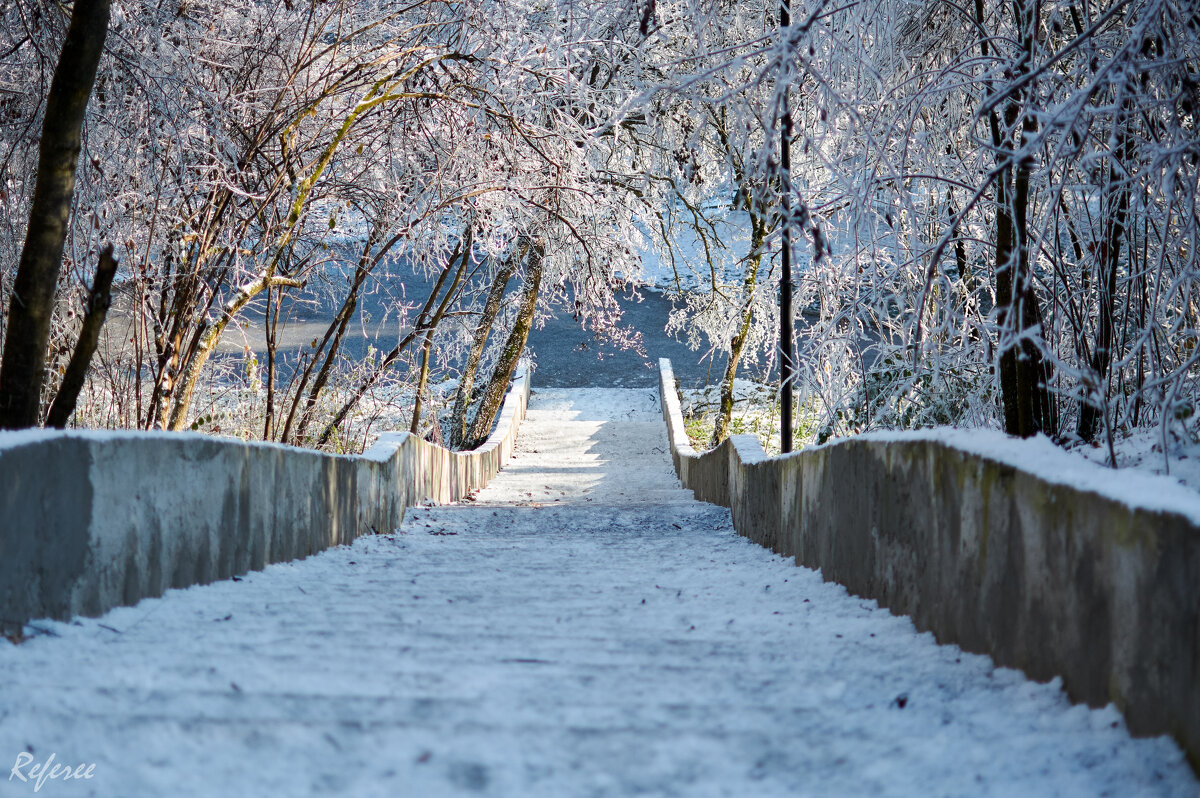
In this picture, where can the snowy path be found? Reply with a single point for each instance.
(582, 628)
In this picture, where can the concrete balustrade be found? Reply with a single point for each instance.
(1008, 548)
(90, 520)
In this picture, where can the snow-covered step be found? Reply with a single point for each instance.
(590, 445)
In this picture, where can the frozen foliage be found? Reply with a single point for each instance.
(998, 202)
(1017, 195)
(993, 204)
(251, 157)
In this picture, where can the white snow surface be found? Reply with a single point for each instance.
(582, 628)
(1041, 457)
(1142, 450)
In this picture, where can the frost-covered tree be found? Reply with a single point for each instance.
(1010, 204)
(235, 148)
(996, 201)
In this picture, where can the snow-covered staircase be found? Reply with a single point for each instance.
(581, 627)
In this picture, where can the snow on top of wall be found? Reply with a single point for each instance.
(749, 450)
(1042, 458)
(11, 439)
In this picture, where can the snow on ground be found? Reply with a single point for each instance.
(535, 643)
(1143, 451)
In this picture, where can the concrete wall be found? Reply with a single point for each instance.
(92, 520)
(1031, 568)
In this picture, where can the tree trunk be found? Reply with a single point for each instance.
(737, 344)
(1005, 267)
(725, 410)
(423, 377)
(207, 338)
(99, 299)
(466, 384)
(1024, 373)
(177, 394)
(23, 370)
(271, 325)
(502, 375)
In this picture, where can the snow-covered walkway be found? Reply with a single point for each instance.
(583, 628)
